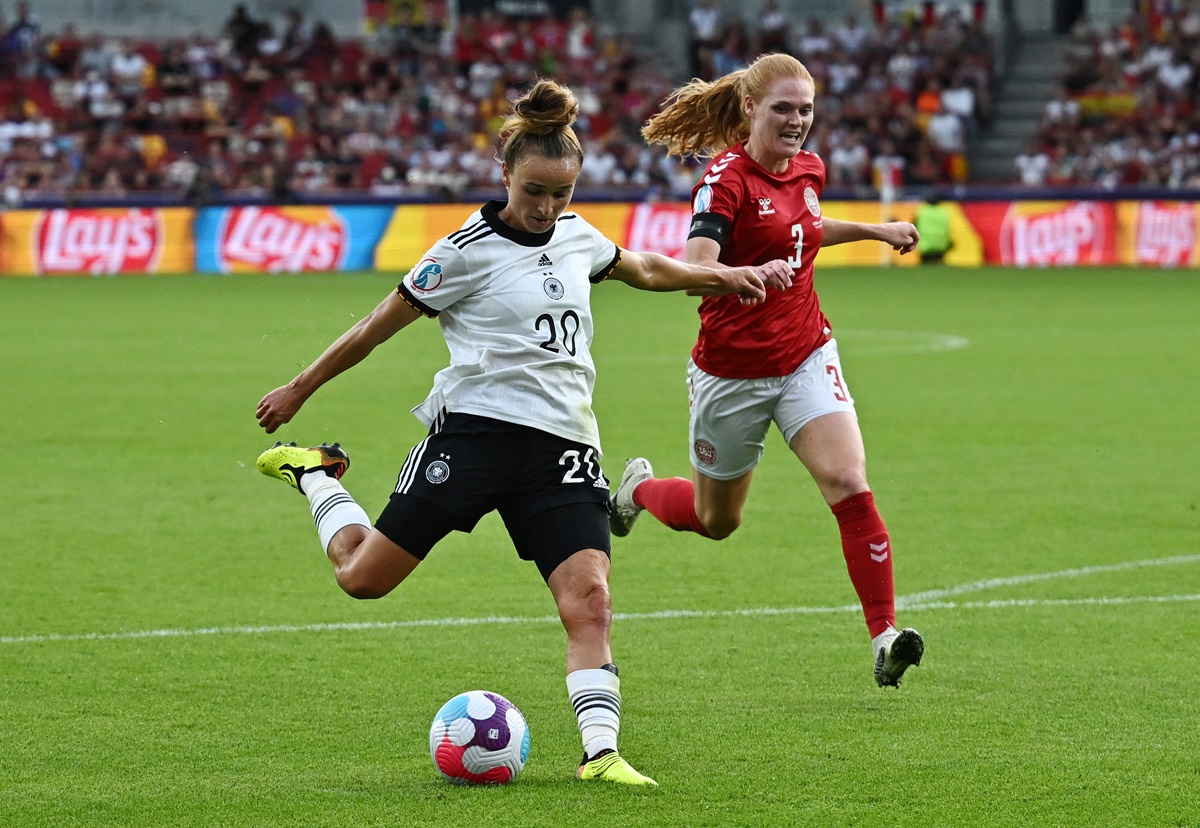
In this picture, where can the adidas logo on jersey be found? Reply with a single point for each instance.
(545, 261)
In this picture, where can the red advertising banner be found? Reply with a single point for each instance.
(663, 228)
(659, 228)
(319, 238)
(97, 241)
(275, 239)
(1044, 233)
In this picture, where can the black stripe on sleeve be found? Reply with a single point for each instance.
(709, 226)
(415, 303)
(597, 278)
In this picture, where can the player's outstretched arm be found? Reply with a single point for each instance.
(351, 348)
(899, 235)
(654, 271)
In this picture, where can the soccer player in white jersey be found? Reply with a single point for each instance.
(511, 422)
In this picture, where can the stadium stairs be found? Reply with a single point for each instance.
(1031, 79)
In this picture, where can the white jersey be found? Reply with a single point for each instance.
(515, 312)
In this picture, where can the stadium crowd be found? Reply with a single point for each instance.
(285, 110)
(1126, 112)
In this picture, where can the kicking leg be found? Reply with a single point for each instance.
(704, 505)
(366, 563)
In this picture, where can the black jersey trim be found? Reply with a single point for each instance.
(480, 232)
(597, 278)
(709, 226)
(491, 214)
(461, 238)
(415, 303)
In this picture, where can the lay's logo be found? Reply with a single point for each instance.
(281, 239)
(98, 241)
(1054, 234)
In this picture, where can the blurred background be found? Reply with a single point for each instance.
(157, 104)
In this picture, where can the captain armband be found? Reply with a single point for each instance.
(709, 226)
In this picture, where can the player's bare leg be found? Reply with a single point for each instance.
(580, 588)
(831, 448)
(368, 564)
(719, 503)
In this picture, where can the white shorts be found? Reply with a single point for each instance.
(730, 417)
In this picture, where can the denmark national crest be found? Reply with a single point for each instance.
(814, 204)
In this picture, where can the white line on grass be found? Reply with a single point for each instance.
(890, 343)
(916, 598)
(930, 600)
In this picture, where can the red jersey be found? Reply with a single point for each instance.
(757, 216)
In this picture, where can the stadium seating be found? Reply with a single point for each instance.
(899, 99)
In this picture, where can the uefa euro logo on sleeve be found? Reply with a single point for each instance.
(429, 275)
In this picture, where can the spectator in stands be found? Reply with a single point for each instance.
(958, 98)
(244, 33)
(387, 183)
(813, 42)
(1032, 165)
(774, 28)
(21, 46)
(62, 52)
(1061, 110)
(844, 73)
(946, 134)
(887, 169)
(309, 174)
(216, 169)
(195, 90)
(851, 35)
(294, 42)
(849, 161)
(112, 184)
(925, 169)
(128, 71)
(174, 73)
(734, 51)
(706, 26)
(323, 48)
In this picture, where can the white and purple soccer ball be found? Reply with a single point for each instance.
(479, 738)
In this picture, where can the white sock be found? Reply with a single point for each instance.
(596, 697)
(332, 507)
(884, 639)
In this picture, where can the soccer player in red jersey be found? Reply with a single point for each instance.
(758, 200)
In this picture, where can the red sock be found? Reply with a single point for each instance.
(868, 552)
(673, 501)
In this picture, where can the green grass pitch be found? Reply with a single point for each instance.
(174, 651)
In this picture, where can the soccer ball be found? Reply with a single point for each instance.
(479, 738)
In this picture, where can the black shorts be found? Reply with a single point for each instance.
(550, 492)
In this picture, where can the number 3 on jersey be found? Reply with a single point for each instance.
(839, 389)
(798, 232)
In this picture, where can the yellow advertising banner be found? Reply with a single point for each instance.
(415, 228)
(1158, 233)
(97, 241)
